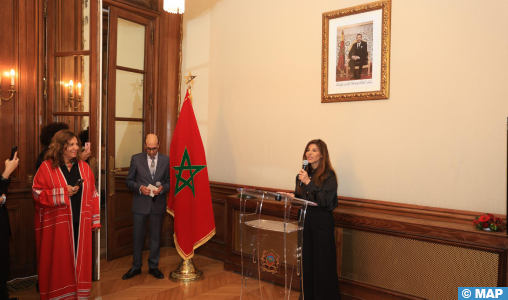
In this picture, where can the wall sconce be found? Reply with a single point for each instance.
(11, 91)
(71, 95)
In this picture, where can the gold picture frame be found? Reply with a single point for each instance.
(356, 53)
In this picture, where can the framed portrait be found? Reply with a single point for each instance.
(356, 53)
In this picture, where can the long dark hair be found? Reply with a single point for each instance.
(325, 166)
(49, 131)
(59, 143)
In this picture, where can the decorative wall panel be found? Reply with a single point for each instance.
(412, 266)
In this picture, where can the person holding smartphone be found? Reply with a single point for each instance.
(86, 151)
(66, 211)
(5, 229)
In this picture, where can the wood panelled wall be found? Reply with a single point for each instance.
(22, 36)
(20, 28)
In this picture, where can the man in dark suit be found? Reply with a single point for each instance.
(5, 228)
(358, 57)
(150, 168)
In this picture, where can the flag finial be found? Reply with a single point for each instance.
(189, 79)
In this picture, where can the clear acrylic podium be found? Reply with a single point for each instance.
(270, 243)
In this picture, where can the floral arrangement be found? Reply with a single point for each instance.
(489, 222)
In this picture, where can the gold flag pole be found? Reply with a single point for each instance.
(186, 271)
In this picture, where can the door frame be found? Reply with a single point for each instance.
(115, 183)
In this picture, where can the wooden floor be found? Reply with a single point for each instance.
(217, 285)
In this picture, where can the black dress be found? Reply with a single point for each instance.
(319, 256)
(72, 177)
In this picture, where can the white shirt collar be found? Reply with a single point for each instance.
(156, 156)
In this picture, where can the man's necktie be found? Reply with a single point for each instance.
(152, 167)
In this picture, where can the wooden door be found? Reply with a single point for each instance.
(72, 79)
(129, 118)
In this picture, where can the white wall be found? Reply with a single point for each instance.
(440, 140)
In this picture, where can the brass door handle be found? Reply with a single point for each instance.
(117, 170)
(93, 166)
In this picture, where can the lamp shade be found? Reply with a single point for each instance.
(174, 6)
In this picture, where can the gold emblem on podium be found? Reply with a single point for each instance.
(270, 261)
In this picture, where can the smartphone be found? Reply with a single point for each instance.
(79, 182)
(13, 151)
(87, 145)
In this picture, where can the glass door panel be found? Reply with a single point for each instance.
(129, 94)
(131, 45)
(128, 141)
(76, 123)
(72, 96)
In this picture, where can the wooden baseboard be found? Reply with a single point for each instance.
(350, 289)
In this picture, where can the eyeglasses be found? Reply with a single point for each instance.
(151, 149)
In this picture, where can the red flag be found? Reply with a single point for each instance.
(342, 51)
(190, 200)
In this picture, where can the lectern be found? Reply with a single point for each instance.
(270, 246)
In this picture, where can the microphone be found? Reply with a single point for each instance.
(158, 184)
(305, 163)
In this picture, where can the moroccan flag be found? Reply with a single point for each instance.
(342, 51)
(190, 200)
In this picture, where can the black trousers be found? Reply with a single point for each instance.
(356, 63)
(139, 228)
(4, 254)
(319, 258)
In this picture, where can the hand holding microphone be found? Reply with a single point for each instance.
(302, 175)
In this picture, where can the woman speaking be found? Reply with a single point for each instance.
(66, 210)
(319, 258)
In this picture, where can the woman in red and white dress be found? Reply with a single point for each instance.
(66, 212)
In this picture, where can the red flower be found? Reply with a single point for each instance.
(489, 221)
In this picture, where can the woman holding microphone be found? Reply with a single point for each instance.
(319, 259)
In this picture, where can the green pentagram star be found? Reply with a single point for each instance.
(186, 164)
